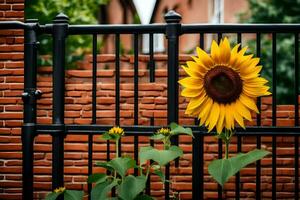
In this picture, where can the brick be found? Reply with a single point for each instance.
(18, 7)
(11, 115)
(5, 7)
(11, 56)
(12, 48)
(14, 1)
(14, 65)
(14, 79)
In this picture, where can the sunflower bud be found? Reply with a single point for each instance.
(164, 131)
(116, 131)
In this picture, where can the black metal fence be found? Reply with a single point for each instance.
(60, 29)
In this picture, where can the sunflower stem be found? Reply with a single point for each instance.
(117, 148)
(116, 156)
(228, 135)
(226, 149)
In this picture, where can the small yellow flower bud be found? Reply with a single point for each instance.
(116, 131)
(164, 131)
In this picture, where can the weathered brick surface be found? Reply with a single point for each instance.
(152, 103)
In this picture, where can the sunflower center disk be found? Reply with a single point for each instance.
(223, 84)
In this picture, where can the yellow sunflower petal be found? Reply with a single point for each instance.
(229, 121)
(196, 67)
(204, 57)
(242, 60)
(192, 73)
(214, 116)
(242, 110)
(258, 80)
(187, 92)
(248, 102)
(191, 82)
(220, 124)
(255, 92)
(239, 119)
(205, 111)
(225, 51)
(215, 52)
(195, 102)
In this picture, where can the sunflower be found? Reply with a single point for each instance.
(164, 131)
(223, 86)
(116, 131)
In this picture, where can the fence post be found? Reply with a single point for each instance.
(29, 100)
(172, 33)
(60, 28)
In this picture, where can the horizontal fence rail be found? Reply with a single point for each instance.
(173, 29)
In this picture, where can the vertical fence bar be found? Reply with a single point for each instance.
(274, 104)
(198, 157)
(239, 140)
(172, 33)
(117, 87)
(258, 54)
(29, 100)
(151, 59)
(220, 153)
(201, 41)
(296, 115)
(220, 35)
(152, 79)
(274, 79)
(296, 79)
(94, 111)
(296, 167)
(136, 95)
(60, 28)
(258, 122)
(117, 79)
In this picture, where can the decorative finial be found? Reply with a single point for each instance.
(61, 18)
(172, 17)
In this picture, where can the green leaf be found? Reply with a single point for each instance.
(162, 157)
(97, 178)
(131, 187)
(73, 195)
(101, 190)
(52, 196)
(143, 197)
(221, 170)
(157, 137)
(122, 164)
(179, 130)
(161, 175)
(105, 165)
(106, 136)
(173, 125)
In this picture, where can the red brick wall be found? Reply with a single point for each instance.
(152, 103)
(11, 78)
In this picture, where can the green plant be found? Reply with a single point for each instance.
(151, 160)
(78, 11)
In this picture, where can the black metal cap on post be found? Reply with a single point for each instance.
(61, 18)
(172, 17)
